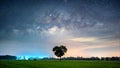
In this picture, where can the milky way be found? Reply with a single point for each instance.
(86, 27)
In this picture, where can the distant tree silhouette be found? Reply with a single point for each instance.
(7, 57)
(59, 51)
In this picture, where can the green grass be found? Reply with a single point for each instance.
(58, 64)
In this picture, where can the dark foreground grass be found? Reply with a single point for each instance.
(58, 64)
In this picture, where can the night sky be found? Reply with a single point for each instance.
(86, 27)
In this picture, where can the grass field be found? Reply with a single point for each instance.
(58, 64)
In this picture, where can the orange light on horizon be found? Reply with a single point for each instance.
(83, 39)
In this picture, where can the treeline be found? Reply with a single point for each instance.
(82, 58)
(10, 57)
(7, 57)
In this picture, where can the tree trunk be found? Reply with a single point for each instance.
(60, 58)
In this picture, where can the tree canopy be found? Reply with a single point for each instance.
(59, 50)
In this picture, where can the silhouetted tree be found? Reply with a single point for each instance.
(59, 51)
(7, 57)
